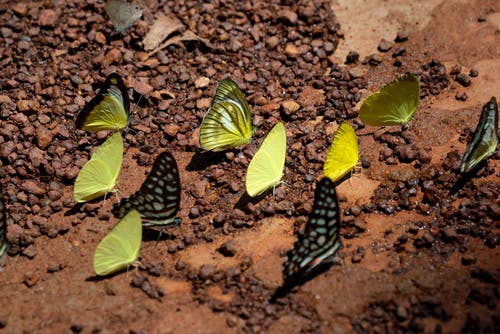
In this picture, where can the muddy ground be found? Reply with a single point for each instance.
(419, 253)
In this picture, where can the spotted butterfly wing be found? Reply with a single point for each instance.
(3, 227)
(319, 241)
(109, 109)
(485, 139)
(158, 199)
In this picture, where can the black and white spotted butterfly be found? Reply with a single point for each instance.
(3, 226)
(159, 197)
(320, 240)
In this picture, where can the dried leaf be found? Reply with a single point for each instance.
(188, 35)
(161, 29)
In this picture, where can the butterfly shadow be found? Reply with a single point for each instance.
(466, 177)
(202, 160)
(78, 206)
(245, 198)
(155, 234)
(294, 282)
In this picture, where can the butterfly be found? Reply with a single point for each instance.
(123, 14)
(228, 122)
(120, 248)
(319, 241)
(159, 197)
(394, 104)
(3, 227)
(98, 176)
(343, 154)
(266, 168)
(485, 139)
(109, 110)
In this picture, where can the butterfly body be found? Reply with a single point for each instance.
(485, 138)
(99, 175)
(108, 110)
(228, 122)
(343, 154)
(158, 199)
(120, 248)
(394, 104)
(320, 239)
(266, 167)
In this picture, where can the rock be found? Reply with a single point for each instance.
(401, 36)
(356, 72)
(463, 79)
(293, 51)
(142, 87)
(227, 249)
(272, 42)
(288, 16)
(30, 251)
(289, 106)
(203, 103)
(352, 57)
(112, 56)
(32, 187)
(384, 45)
(206, 271)
(43, 136)
(312, 97)
(48, 18)
(202, 82)
(27, 106)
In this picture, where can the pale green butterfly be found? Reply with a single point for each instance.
(98, 176)
(120, 248)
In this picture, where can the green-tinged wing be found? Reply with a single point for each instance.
(120, 248)
(225, 126)
(98, 176)
(343, 154)
(228, 122)
(109, 110)
(266, 168)
(394, 104)
(485, 139)
(3, 226)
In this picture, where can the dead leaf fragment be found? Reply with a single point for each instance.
(161, 29)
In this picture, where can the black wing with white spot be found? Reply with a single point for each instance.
(158, 200)
(320, 239)
(3, 226)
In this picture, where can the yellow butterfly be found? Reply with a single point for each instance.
(343, 154)
(394, 104)
(98, 176)
(485, 139)
(266, 168)
(120, 248)
(228, 122)
(109, 110)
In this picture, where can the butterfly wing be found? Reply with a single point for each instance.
(3, 226)
(320, 239)
(266, 168)
(158, 199)
(108, 110)
(123, 14)
(228, 122)
(343, 154)
(98, 176)
(485, 138)
(120, 248)
(394, 104)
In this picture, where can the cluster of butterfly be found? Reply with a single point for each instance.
(228, 124)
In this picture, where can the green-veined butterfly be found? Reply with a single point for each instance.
(158, 199)
(120, 248)
(228, 122)
(123, 14)
(98, 176)
(343, 154)
(266, 168)
(394, 104)
(319, 241)
(108, 110)
(485, 139)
